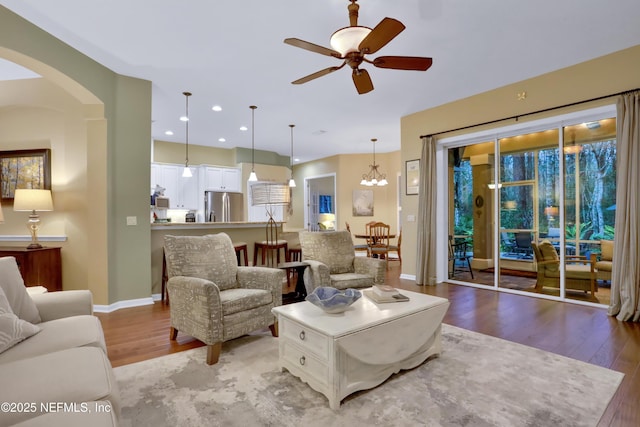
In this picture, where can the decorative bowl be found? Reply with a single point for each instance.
(333, 300)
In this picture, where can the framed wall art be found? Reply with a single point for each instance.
(362, 203)
(24, 169)
(412, 173)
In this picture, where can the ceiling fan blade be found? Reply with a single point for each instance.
(403, 62)
(312, 47)
(362, 81)
(382, 34)
(316, 75)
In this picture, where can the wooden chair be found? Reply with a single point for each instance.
(358, 248)
(378, 241)
(396, 248)
(458, 252)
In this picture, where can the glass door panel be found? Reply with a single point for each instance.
(590, 203)
(471, 214)
(520, 201)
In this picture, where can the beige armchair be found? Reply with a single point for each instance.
(579, 273)
(333, 262)
(212, 298)
(605, 263)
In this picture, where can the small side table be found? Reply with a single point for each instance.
(301, 291)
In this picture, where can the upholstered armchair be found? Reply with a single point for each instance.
(212, 298)
(333, 262)
(579, 273)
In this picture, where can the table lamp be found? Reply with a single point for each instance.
(34, 201)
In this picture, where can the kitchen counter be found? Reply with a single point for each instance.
(207, 225)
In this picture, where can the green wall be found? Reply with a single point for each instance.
(118, 113)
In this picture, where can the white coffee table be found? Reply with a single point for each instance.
(338, 354)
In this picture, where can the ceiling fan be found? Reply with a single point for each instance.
(352, 43)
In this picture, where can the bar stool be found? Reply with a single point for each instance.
(241, 248)
(164, 279)
(265, 247)
(295, 254)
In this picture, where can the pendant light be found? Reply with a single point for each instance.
(253, 176)
(186, 173)
(292, 182)
(374, 177)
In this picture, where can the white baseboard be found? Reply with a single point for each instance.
(408, 277)
(122, 304)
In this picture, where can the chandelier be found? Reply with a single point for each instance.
(374, 177)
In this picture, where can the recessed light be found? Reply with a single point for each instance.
(244, 128)
(296, 159)
(216, 108)
(184, 119)
(168, 132)
(222, 140)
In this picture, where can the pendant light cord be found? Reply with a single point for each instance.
(291, 158)
(253, 109)
(187, 95)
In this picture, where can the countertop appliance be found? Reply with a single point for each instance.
(223, 206)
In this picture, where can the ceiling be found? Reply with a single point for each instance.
(231, 53)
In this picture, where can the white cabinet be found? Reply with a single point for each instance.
(182, 192)
(220, 179)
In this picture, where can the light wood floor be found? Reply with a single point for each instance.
(579, 332)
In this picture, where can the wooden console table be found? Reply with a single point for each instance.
(39, 267)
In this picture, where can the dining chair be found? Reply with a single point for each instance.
(379, 241)
(397, 248)
(358, 248)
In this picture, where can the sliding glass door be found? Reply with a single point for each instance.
(534, 220)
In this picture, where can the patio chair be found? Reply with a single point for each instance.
(458, 252)
(523, 244)
(579, 273)
(605, 261)
(508, 244)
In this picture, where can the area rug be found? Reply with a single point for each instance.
(477, 381)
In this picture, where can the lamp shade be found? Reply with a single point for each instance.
(32, 200)
(270, 193)
(348, 39)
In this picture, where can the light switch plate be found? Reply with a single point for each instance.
(132, 220)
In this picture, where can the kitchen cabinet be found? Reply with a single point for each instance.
(182, 192)
(220, 179)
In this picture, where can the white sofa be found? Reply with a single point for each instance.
(54, 368)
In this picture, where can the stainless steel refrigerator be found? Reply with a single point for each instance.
(221, 206)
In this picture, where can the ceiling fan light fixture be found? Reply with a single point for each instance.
(348, 39)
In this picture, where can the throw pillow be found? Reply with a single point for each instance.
(13, 286)
(12, 329)
(606, 248)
